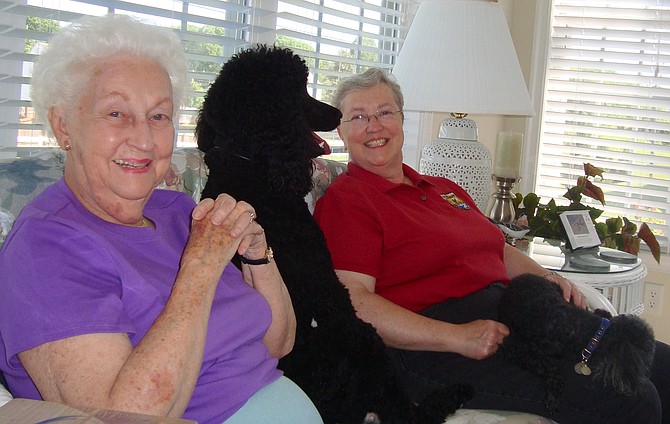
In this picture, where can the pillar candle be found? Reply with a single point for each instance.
(508, 155)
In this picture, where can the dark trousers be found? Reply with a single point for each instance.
(504, 386)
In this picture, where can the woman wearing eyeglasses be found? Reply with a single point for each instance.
(426, 269)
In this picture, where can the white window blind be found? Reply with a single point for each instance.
(607, 102)
(335, 37)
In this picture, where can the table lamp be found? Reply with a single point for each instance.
(458, 57)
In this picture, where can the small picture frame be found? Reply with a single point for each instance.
(580, 229)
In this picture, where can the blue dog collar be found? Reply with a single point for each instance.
(582, 367)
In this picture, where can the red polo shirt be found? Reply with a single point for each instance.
(423, 243)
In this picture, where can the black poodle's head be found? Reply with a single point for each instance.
(258, 107)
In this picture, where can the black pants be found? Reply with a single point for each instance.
(504, 386)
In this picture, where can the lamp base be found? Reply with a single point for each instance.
(501, 209)
(457, 155)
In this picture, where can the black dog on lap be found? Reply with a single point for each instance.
(546, 331)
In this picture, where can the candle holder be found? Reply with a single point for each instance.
(502, 208)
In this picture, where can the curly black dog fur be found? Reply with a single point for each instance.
(546, 331)
(259, 148)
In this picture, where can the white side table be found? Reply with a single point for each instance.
(621, 281)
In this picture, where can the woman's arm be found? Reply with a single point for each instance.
(158, 376)
(267, 281)
(404, 329)
(517, 262)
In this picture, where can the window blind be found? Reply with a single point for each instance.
(336, 38)
(607, 102)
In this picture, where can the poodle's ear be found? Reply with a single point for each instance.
(204, 134)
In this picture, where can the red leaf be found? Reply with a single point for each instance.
(631, 245)
(592, 171)
(592, 191)
(650, 239)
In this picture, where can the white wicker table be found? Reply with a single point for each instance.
(622, 283)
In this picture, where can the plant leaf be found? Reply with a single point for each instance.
(516, 201)
(593, 171)
(574, 194)
(591, 190)
(631, 244)
(629, 228)
(531, 201)
(650, 239)
(595, 213)
(614, 225)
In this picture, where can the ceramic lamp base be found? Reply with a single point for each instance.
(457, 155)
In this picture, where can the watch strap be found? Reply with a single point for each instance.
(269, 254)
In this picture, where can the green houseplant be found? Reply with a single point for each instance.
(617, 232)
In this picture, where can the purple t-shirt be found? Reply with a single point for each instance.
(66, 272)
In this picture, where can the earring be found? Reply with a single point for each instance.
(67, 147)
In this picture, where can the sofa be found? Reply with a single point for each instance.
(24, 173)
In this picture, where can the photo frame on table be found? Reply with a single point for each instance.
(580, 229)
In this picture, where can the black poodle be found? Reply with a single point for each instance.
(257, 128)
(547, 334)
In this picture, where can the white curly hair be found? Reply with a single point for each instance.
(63, 71)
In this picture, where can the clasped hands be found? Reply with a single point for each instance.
(211, 217)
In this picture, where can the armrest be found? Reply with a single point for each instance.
(5, 396)
(595, 299)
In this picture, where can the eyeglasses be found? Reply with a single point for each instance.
(383, 117)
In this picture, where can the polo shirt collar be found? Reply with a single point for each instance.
(381, 182)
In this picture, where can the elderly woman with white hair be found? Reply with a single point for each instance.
(117, 295)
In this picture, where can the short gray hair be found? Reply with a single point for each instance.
(368, 79)
(58, 81)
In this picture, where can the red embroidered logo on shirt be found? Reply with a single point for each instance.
(455, 201)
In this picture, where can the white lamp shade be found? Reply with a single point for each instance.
(459, 57)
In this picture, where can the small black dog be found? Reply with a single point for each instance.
(546, 332)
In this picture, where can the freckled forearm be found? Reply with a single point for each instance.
(160, 374)
(267, 281)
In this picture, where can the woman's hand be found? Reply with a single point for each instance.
(518, 263)
(223, 226)
(481, 338)
(571, 292)
(253, 244)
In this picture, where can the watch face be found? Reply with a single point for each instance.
(262, 261)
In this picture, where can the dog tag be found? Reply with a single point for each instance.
(582, 369)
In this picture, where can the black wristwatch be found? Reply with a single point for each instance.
(262, 261)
